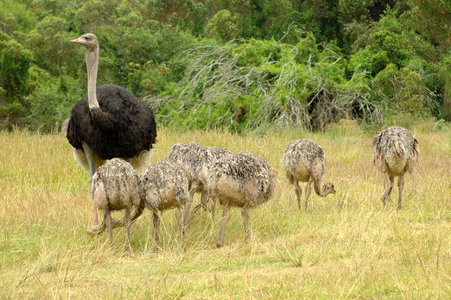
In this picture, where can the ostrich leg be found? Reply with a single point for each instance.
(156, 226)
(308, 190)
(224, 220)
(92, 169)
(212, 205)
(298, 191)
(388, 189)
(400, 187)
(107, 217)
(181, 215)
(128, 223)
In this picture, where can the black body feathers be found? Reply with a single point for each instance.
(122, 127)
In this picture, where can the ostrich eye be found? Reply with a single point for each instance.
(87, 38)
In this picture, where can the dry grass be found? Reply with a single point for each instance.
(346, 246)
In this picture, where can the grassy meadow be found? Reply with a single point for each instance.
(345, 246)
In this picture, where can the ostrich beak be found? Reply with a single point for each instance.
(78, 41)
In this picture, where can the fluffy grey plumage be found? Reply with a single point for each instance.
(305, 161)
(115, 187)
(240, 180)
(189, 156)
(196, 160)
(210, 156)
(165, 186)
(395, 151)
(251, 179)
(299, 157)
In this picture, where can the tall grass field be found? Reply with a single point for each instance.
(346, 246)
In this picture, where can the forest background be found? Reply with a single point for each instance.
(234, 64)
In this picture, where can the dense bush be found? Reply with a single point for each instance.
(14, 64)
(246, 84)
(51, 101)
(233, 64)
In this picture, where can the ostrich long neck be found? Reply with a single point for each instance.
(319, 190)
(92, 64)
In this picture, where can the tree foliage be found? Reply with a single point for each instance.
(236, 64)
(14, 64)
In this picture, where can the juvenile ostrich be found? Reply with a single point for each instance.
(109, 122)
(305, 161)
(240, 180)
(115, 186)
(211, 155)
(189, 157)
(196, 160)
(165, 186)
(395, 151)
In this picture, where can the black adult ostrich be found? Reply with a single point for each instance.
(110, 122)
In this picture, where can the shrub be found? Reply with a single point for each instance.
(246, 84)
(222, 26)
(403, 90)
(14, 64)
(51, 102)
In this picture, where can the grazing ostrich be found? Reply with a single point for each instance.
(115, 186)
(240, 180)
(189, 157)
(395, 151)
(196, 160)
(305, 161)
(165, 186)
(110, 122)
(211, 155)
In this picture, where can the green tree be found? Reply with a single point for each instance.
(95, 15)
(432, 19)
(16, 16)
(222, 26)
(51, 47)
(14, 64)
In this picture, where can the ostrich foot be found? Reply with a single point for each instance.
(99, 228)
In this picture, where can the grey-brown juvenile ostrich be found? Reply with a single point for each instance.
(395, 151)
(196, 160)
(165, 186)
(110, 122)
(240, 180)
(305, 161)
(189, 157)
(115, 186)
(211, 155)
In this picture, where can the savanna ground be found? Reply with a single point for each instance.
(345, 246)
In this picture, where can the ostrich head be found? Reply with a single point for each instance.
(89, 40)
(328, 188)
